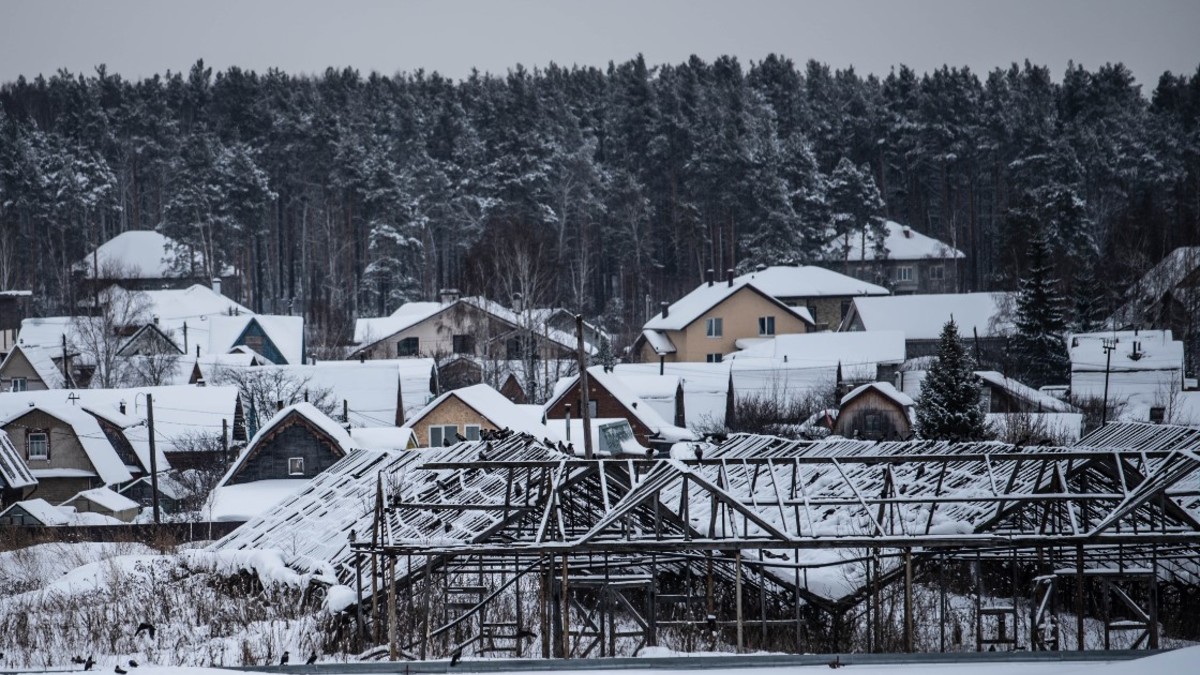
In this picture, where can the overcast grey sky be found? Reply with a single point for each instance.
(141, 37)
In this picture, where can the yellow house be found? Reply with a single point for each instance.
(467, 411)
(705, 324)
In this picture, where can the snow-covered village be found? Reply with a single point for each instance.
(531, 336)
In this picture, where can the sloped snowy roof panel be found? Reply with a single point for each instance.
(14, 473)
(105, 498)
(884, 388)
(922, 317)
(901, 241)
(141, 254)
(808, 281)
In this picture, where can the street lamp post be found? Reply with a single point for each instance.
(1109, 345)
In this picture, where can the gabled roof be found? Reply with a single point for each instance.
(42, 510)
(151, 331)
(41, 360)
(142, 254)
(901, 241)
(286, 332)
(167, 484)
(921, 317)
(859, 353)
(1042, 401)
(13, 472)
(105, 498)
(492, 406)
(904, 400)
(684, 311)
(306, 412)
(100, 453)
(371, 330)
(627, 397)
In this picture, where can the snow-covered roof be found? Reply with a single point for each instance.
(41, 359)
(372, 330)
(1042, 401)
(286, 332)
(1135, 351)
(901, 241)
(141, 254)
(13, 472)
(659, 342)
(884, 388)
(922, 317)
(382, 438)
(100, 453)
(45, 512)
(104, 498)
(855, 351)
(628, 398)
(180, 411)
(247, 501)
(704, 297)
(492, 406)
(1159, 280)
(168, 484)
(808, 281)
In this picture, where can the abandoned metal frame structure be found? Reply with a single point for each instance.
(760, 532)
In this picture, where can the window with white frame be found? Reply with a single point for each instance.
(295, 466)
(937, 272)
(714, 327)
(903, 273)
(713, 358)
(472, 432)
(37, 445)
(766, 325)
(442, 434)
(20, 384)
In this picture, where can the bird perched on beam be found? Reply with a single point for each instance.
(456, 656)
(283, 660)
(311, 660)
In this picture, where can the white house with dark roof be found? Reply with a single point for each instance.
(910, 262)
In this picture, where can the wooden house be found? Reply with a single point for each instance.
(909, 262)
(146, 260)
(31, 368)
(297, 443)
(984, 321)
(172, 494)
(875, 411)
(104, 502)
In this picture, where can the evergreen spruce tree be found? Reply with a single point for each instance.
(948, 407)
(1041, 354)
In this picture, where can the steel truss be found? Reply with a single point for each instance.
(506, 546)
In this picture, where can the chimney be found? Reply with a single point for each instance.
(729, 277)
(217, 285)
(907, 232)
(518, 303)
(665, 307)
(121, 406)
(449, 295)
(708, 276)
(156, 320)
(278, 406)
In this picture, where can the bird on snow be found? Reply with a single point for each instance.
(132, 663)
(143, 626)
(311, 660)
(119, 670)
(455, 657)
(87, 665)
(283, 659)
(836, 662)
(78, 660)
(649, 453)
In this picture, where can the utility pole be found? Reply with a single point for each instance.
(1109, 345)
(153, 457)
(584, 396)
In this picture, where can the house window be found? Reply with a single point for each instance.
(713, 358)
(903, 274)
(472, 432)
(464, 344)
(937, 273)
(295, 466)
(985, 399)
(714, 327)
(766, 325)
(37, 445)
(409, 346)
(1158, 414)
(845, 308)
(440, 435)
(20, 384)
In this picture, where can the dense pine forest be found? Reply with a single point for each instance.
(602, 190)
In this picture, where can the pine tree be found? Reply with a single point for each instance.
(948, 407)
(1041, 354)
